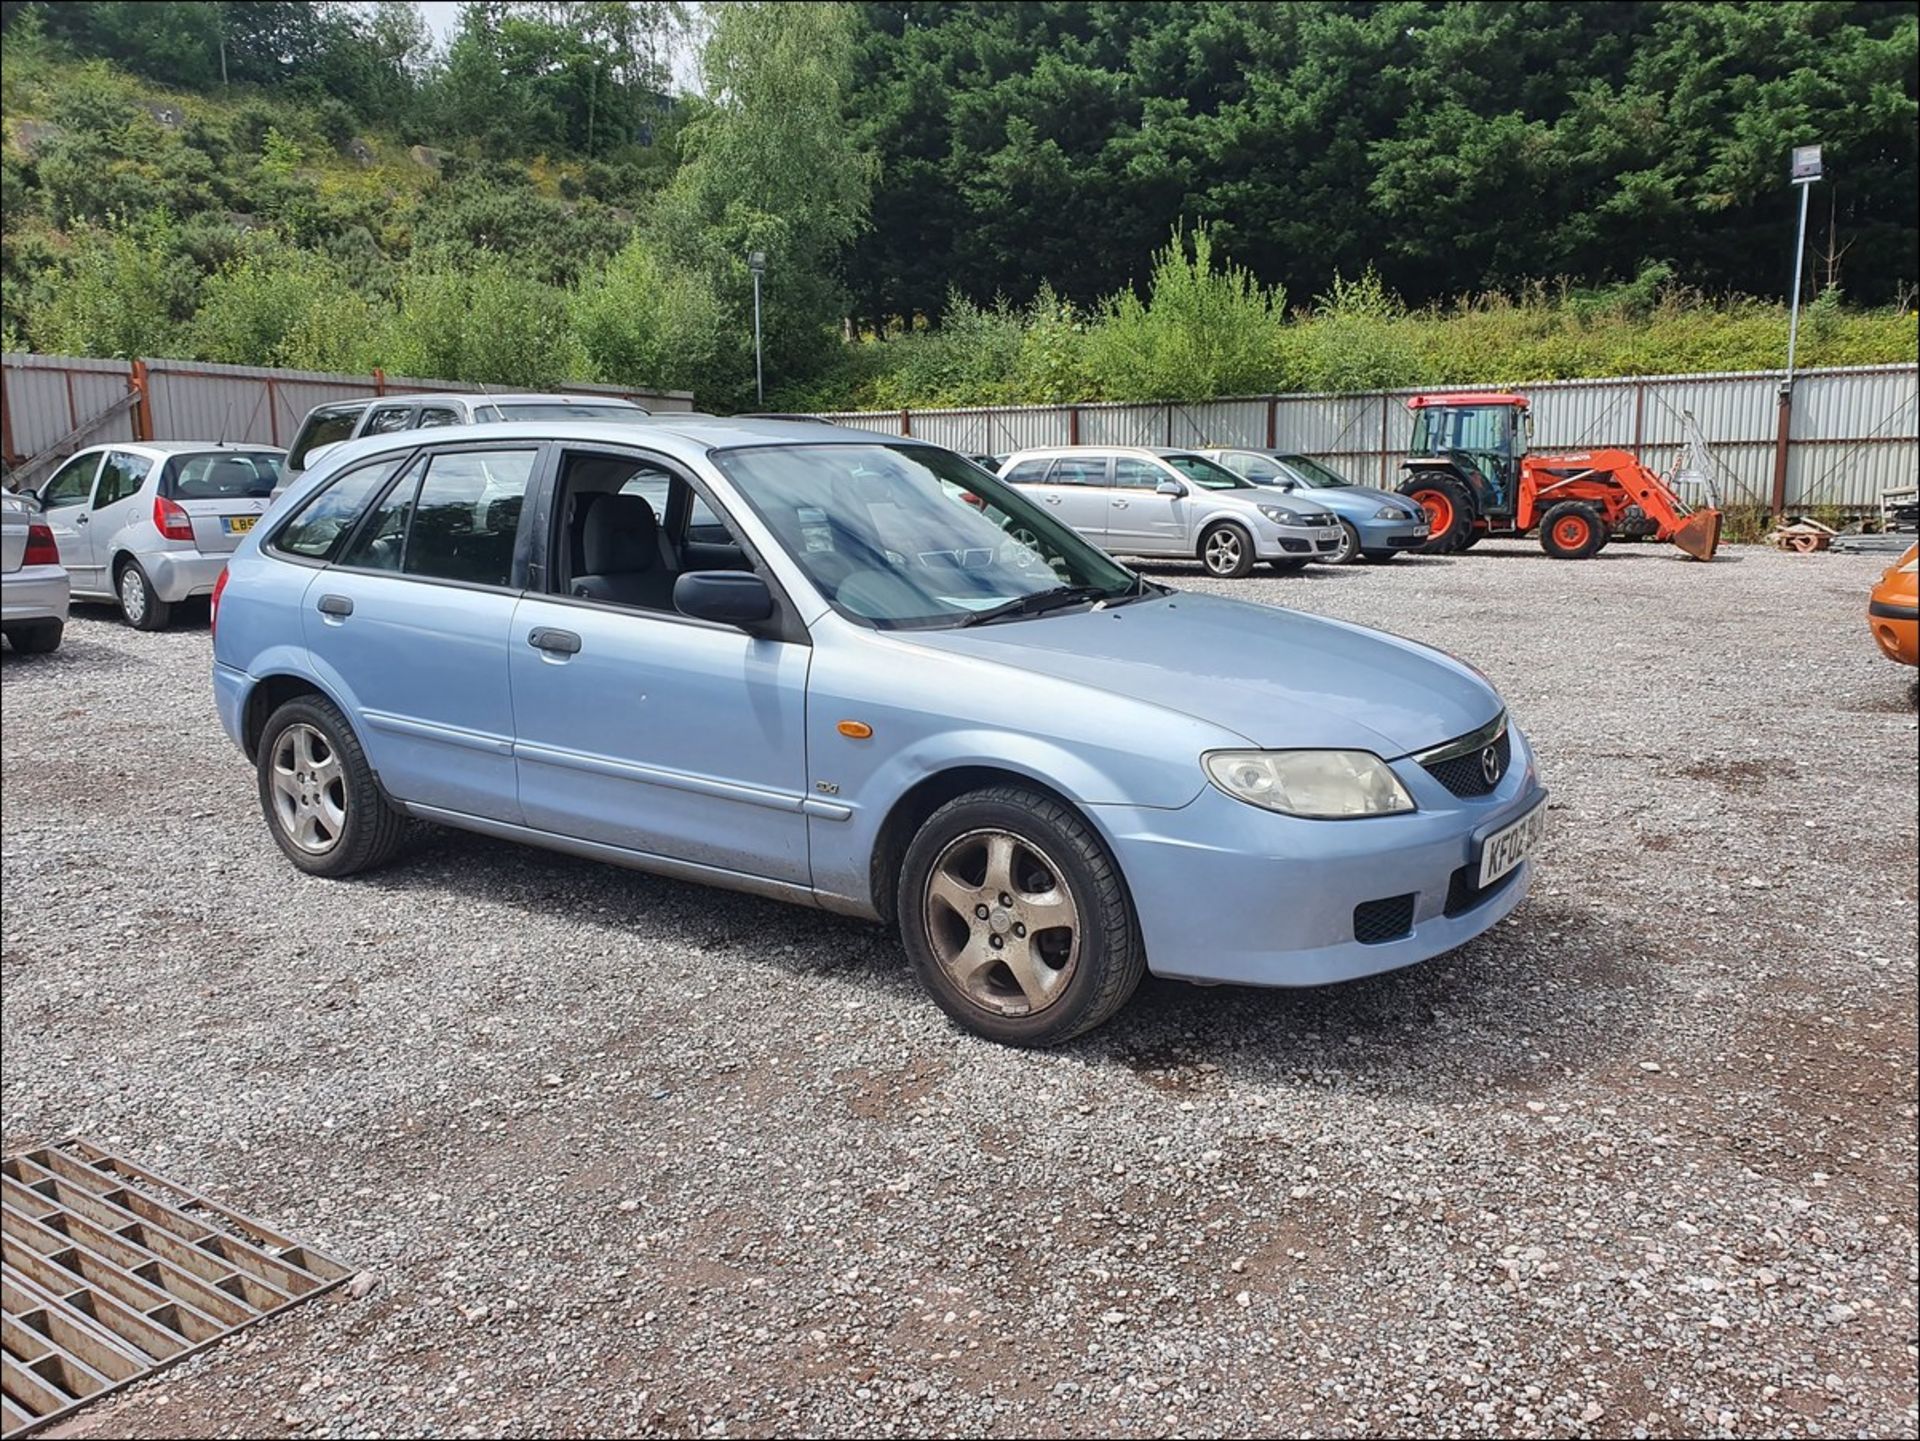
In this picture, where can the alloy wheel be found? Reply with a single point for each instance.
(1002, 923)
(309, 789)
(1223, 551)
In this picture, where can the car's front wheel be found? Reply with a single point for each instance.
(1227, 551)
(1349, 551)
(143, 609)
(321, 801)
(1016, 918)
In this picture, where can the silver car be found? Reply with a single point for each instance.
(1140, 501)
(150, 524)
(33, 583)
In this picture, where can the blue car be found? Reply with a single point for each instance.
(856, 672)
(1375, 524)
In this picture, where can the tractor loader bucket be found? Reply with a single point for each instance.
(1699, 534)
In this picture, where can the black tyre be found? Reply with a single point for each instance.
(1349, 552)
(36, 637)
(1016, 918)
(1226, 551)
(318, 793)
(1288, 566)
(142, 608)
(1468, 541)
(1378, 557)
(1572, 530)
(1450, 511)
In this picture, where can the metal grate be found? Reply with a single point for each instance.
(108, 1272)
(1464, 891)
(1466, 775)
(1384, 920)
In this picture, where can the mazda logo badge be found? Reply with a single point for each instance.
(1490, 766)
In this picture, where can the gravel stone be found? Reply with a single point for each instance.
(1456, 1200)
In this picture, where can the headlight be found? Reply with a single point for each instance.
(1279, 516)
(1326, 785)
(1390, 512)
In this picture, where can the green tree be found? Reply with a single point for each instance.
(640, 321)
(125, 293)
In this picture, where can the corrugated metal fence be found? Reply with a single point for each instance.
(1853, 432)
(48, 397)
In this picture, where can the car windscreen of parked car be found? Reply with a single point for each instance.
(221, 474)
(548, 410)
(322, 427)
(1314, 475)
(1205, 474)
(914, 537)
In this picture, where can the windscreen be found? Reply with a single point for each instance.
(1206, 474)
(323, 427)
(1313, 474)
(912, 536)
(221, 475)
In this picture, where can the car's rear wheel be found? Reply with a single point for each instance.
(1226, 551)
(36, 637)
(1016, 918)
(143, 609)
(319, 795)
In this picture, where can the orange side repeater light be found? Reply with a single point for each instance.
(854, 730)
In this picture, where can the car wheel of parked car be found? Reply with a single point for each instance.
(1016, 918)
(1572, 530)
(1349, 551)
(319, 795)
(36, 637)
(1227, 551)
(1288, 567)
(143, 609)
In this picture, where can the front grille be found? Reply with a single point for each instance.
(1319, 520)
(1387, 919)
(1464, 892)
(1466, 774)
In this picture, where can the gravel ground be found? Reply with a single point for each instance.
(625, 1155)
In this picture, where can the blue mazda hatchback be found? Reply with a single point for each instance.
(858, 672)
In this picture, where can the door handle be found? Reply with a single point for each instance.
(1051, 499)
(556, 642)
(80, 520)
(1119, 505)
(335, 605)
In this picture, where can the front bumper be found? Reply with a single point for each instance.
(1227, 892)
(178, 574)
(1401, 534)
(35, 592)
(1296, 542)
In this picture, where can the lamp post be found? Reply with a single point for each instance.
(757, 263)
(1806, 170)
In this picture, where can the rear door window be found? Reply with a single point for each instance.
(323, 427)
(433, 415)
(221, 476)
(1029, 472)
(120, 477)
(467, 516)
(388, 418)
(318, 527)
(1079, 470)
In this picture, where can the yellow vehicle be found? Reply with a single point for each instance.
(1893, 610)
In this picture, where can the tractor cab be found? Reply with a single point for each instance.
(1483, 437)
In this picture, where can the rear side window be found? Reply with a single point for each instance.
(1079, 470)
(387, 419)
(120, 477)
(467, 515)
(433, 415)
(323, 427)
(318, 527)
(220, 477)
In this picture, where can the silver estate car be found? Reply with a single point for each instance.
(33, 583)
(151, 523)
(1138, 501)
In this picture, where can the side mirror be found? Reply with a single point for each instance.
(730, 597)
(1284, 484)
(1170, 487)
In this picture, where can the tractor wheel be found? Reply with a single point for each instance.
(1572, 530)
(1449, 508)
(1468, 541)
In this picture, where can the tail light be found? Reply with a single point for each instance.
(171, 520)
(41, 549)
(213, 611)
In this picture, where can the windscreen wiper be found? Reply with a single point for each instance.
(1040, 600)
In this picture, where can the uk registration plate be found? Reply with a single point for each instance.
(1510, 845)
(239, 524)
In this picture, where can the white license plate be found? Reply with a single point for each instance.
(1510, 845)
(1420, 530)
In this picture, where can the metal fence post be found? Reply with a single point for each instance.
(1782, 430)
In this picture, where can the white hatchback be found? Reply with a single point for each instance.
(149, 524)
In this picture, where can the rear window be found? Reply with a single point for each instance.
(323, 427)
(221, 476)
(556, 410)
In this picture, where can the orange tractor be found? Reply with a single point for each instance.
(1469, 468)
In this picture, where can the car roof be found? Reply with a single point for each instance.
(682, 437)
(181, 447)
